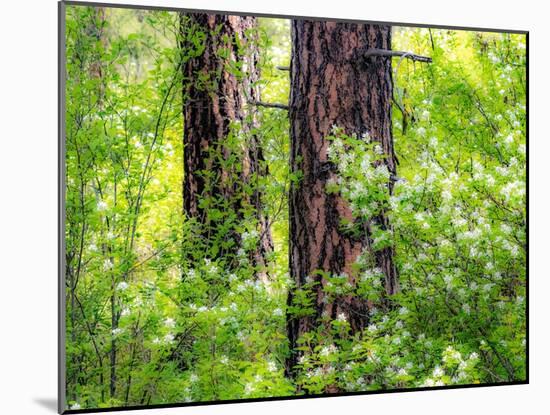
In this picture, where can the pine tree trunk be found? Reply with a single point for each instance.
(331, 84)
(216, 100)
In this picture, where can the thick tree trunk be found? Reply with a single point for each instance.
(219, 81)
(332, 84)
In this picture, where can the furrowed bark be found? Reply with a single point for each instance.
(332, 84)
(215, 99)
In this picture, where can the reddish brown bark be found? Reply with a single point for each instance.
(331, 84)
(215, 98)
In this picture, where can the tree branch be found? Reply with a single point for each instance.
(269, 105)
(391, 53)
(283, 68)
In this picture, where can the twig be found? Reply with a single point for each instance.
(384, 52)
(269, 105)
(283, 68)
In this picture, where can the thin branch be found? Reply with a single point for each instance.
(154, 254)
(283, 68)
(269, 105)
(391, 53)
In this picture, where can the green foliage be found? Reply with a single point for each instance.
(186, 313)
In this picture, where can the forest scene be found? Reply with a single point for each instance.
(263, 207)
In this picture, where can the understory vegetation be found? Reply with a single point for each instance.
(166, 307)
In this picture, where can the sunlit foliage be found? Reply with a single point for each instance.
(153, 316)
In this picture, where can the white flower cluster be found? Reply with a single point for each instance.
(363, 176)
(341, 317)
(328, 350)
(249, 239)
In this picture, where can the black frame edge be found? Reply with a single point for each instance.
(61, 329)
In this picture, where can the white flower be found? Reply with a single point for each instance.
(438, 372)
(466, 308)
(341, 317)
(101, 205)
(170, 322)
(75, 405)
(452, 354)
(302, 359)
(505, 228)
(249, 237)
(520, 299)
(169, 338)
(248, 388)
(459, 222)
(278, 312)
(156, 340)
(327, 350)
(92, 247)
(193, 378)
(224, 360)
(402, 372)
(121, 286)
(125, 312)
(272, 367)
(107, 265)
(116, 332)
(110, 235)
(474, 356)
(372, 328)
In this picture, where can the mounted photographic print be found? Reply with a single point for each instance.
(259, 207)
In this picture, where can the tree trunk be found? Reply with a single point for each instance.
(219, 79)
(332, 84)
